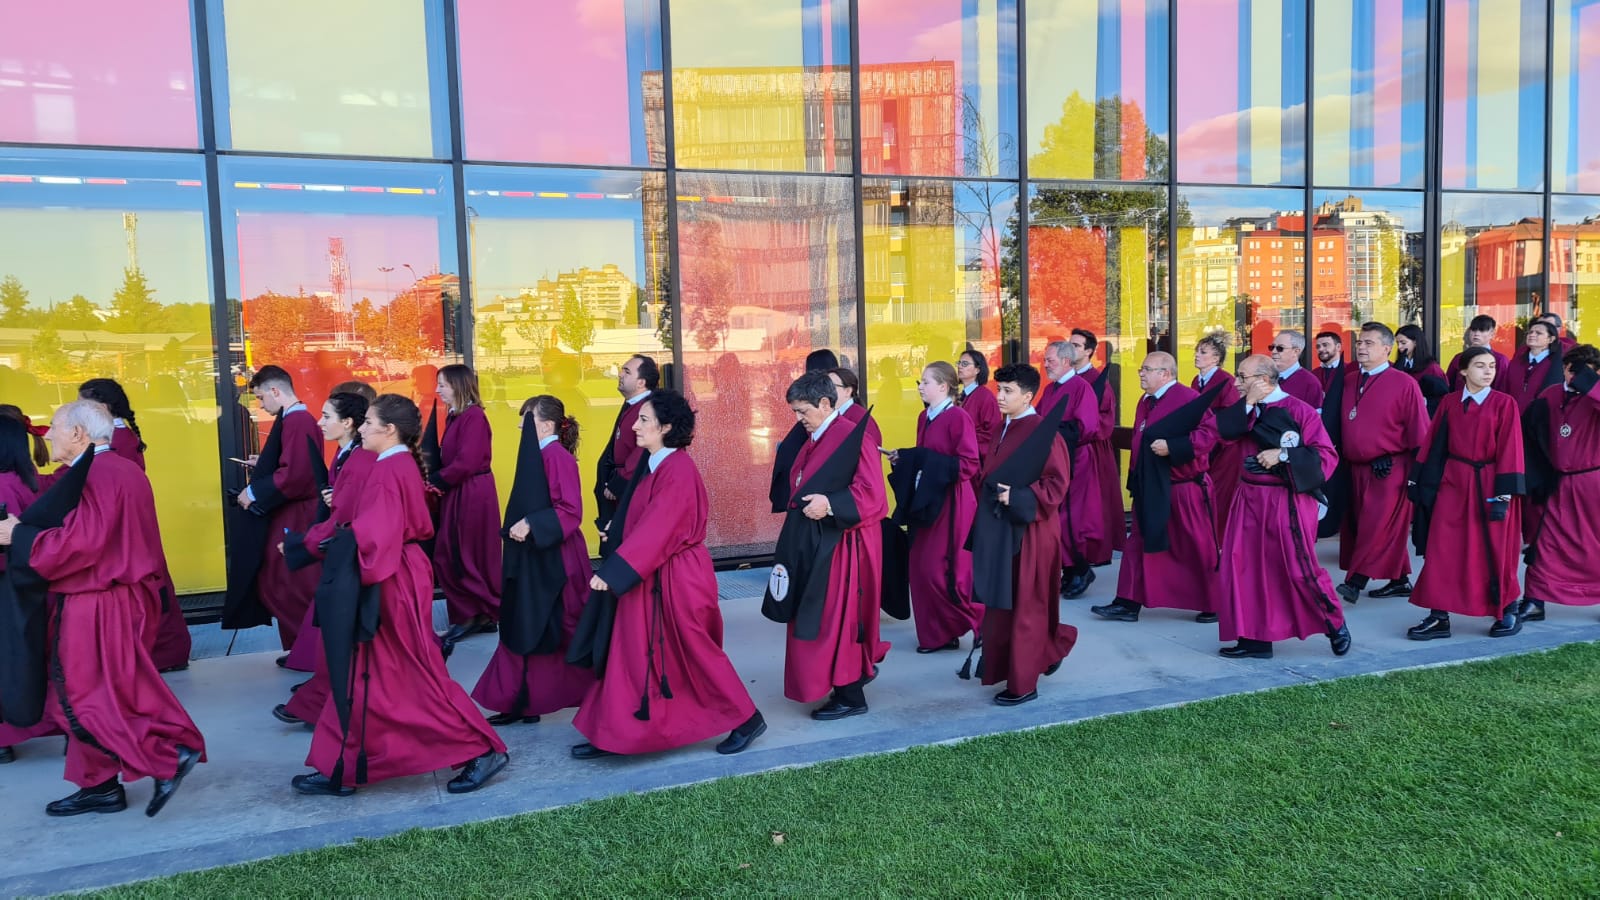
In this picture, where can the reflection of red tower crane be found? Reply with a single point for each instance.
(339, 281)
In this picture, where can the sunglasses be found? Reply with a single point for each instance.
(1279, 348)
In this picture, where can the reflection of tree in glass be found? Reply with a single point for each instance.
(666, 314)
(491, 337)
(47, 357)
(576, 328)
(278, 325)
(708, 284)
(13, 302)
(133, 306)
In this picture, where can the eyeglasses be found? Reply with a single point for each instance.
(1145, 370)
(1279, 348)
(964, 364)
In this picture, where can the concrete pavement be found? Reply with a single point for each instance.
(239, 806)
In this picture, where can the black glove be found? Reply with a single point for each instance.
(1498, 510)
(435, 479)
(1413, 492)
(1382, 466)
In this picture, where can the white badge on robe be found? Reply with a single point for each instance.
(778, 582)
(1566, 431)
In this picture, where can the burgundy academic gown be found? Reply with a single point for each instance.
(664, 542)
(466, 551)
(1083, 526)
(1390, 419)
(1103, 459)
(812, 669)
(940, 564)
(1475, 550)
(125, 444)
(287, 593)
(106, 572)
(853, 414)
(170, 641)
(345, 479)
(1267, 560)
(1326, 375)
(1227, 459)
(982, 407)
(551, 683)
(17, 496)
(1303, 385)
(1184, 576)
(407, 713)
(1502, 372)
(1021, 642)
(1563, 568)
(1524, 382)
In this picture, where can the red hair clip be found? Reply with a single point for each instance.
(35, 430)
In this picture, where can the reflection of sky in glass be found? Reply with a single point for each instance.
(1576, 101)
(1371, 92)
(1493, 115)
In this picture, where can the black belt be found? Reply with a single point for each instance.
(1564, 472)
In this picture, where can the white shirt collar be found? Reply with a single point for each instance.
(350, 445)
(1205, 375)
(1282, 376)
(636, 399)
(968, 388)
(817, 435)
(846, 405)
(1162, 391)
(1030, 411)
(118, 423)
(546, 440)
(397, 448)
(659, 455)
(1335, 364)
(1086, 368)
(1532, 360)
(1478, 398)
(940, 407)
(296, 406)
(1380, 367)
(1276, 395)
(98, 449)
(1064, 379)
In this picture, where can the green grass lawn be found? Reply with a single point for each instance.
(1481, 779)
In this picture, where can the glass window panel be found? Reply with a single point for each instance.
(1371, 92)
(939, 87)
(340, 271)
(569, 274)
(520, 62)
(774, 97)
(1575, 129)
(1575, 266)
(1493, 116)
(1366, 261)
(1241, 91)
(357, 77)
(933, 252)
(1490, 263)
(766, 275)
(1239, 268)
(1097, 89)
(98, 72)
(105, 276)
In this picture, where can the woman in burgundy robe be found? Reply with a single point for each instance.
(466, 552)
(407, 716)
(1525, 381)
(1227, 457)
(978, 402)
(1413, 357)
(1561, 567)
(667, 682)
(939, 563)
(1475, 451)
(523, 688)
(19, 483)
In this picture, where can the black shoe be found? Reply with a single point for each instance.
(1117, 612)
(282, 714)
(282, 662)
(742, 737)
(166, 787)
(500, 719)
(834, 709)
(180, 667)
(1349, 593)
(1531, 610)
(1339, 640)
(1206, 618)
(90, 800)
(953, 645)
(489, 628)
(1400, 587)
(1052, 668)
(477, 773)
(1078, 586)
(1506, 625)
(1243, 650)
(589, 751)
(7, 755)
(1431, 628)
(1006, 698)
(296, 687)
(317, 785)
(457, 632)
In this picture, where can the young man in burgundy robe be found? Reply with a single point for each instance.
(664, 679)
(1273, 588)
(1171, 558)
(832, 547)
(635, 380)
(1567, 439)
(1102, 455)
(1227, 459)
(1469, 474)
(1384, 420)
(1081, 532)
(1480, 333)
(466, 549)
(1016, 545)
(1293, 379)
(1329, 347)
(104, 568)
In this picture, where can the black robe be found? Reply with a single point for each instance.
(997, 530)
(782, 462)
(348, 614)
(1338, 487)
(591, 637)
(1150, 476)
(247, 530)
(534, 577)
(917, 503)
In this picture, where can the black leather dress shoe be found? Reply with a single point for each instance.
(489, 628)
(834, 709)
(7, 755)
(1206, 618)
(166, 787)
(282, 662)
(1052, 668)
(457, 632)
(477, 773)
(1431, 628)
(500, 719)
(317, 784)
(1506, 625)
(589, 751)
(282, 714)
(1531, 610)
(1245, 651)
(1116, 612)
(90, 800)
(1078, 586)
(180, 667)
(953, 645)
(296, 687)
(742, 737)
(1349, 593)
(1400, 587)
(1006, 698)
(1339, 640)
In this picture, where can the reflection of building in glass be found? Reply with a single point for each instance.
(1378, 267)
(1274, 266)
(1503, 266)
(1574, 268)
(1208, 276)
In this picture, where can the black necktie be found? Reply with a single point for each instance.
(1466, 402)
(1364, 377)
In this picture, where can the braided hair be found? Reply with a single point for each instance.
(399, 411)
(108, 392)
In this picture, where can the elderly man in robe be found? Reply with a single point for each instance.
(1080, 531)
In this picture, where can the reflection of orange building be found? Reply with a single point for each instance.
(1503, 266)
(1575, 272)
(1274, 267)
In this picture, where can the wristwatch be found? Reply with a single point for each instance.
(1283, 456)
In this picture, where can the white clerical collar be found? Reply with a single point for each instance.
(968, 388)
(1478, 398)
(1282, 376)
(98, 449)
(659, 455)
(545, 441)
(397, 448)
(940, 407)
(1374, 371)
(1065, 378)
(1030, 411)
(1532, 360)
(817, 435)
(636, 399)
(1162, 391)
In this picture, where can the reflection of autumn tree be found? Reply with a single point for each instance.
(532, 330)
(13, 302)
(492, 337)
(708, 284)
(1067, 275)
(407, 336)
(277, 325)
(47, 357)
(576, 328)
(133, 306)
(1107, 139)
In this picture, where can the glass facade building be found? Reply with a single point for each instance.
(190, 189)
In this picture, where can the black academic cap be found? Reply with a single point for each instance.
(821, 360)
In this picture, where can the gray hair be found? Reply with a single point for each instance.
(89, 415)
(1296, 339)
(1381, 330)
(1259, 365)
(1059, 348)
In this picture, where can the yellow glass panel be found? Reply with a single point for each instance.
(1490, 263)
(1575, 266)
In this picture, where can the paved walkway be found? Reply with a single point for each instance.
(240, 807)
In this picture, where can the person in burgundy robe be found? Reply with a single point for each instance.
(1293, 379)
(847, 386)
(1273, 587)
(938, 506)
(821, 360)
(666, 682)
(1469, 473)
(1102, 456)
(635, 380)
(1329, 347)
(466, 549)
(1561, 556)
(1171, 558)
(341, 420)
(521, 687)
(407, 717)
(1567, 341)
(19, 483)
(170, 641)
(1227, 458)
(1480, 333)
(1384, 420)
(105, 572)
(1413, 357)
(979, 403)
(1082, 525)
(288, 497)
(1536, 366)
(1016, 544)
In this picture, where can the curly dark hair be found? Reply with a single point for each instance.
(1583, 355)
(672, 410)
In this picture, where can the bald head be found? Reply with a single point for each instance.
(1258, 365)
(1158, 371)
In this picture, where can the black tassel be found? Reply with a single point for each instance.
(861, 633)
(338, 774)
(966, 668)
(666, 690)
(643, 712)
(361, 767)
